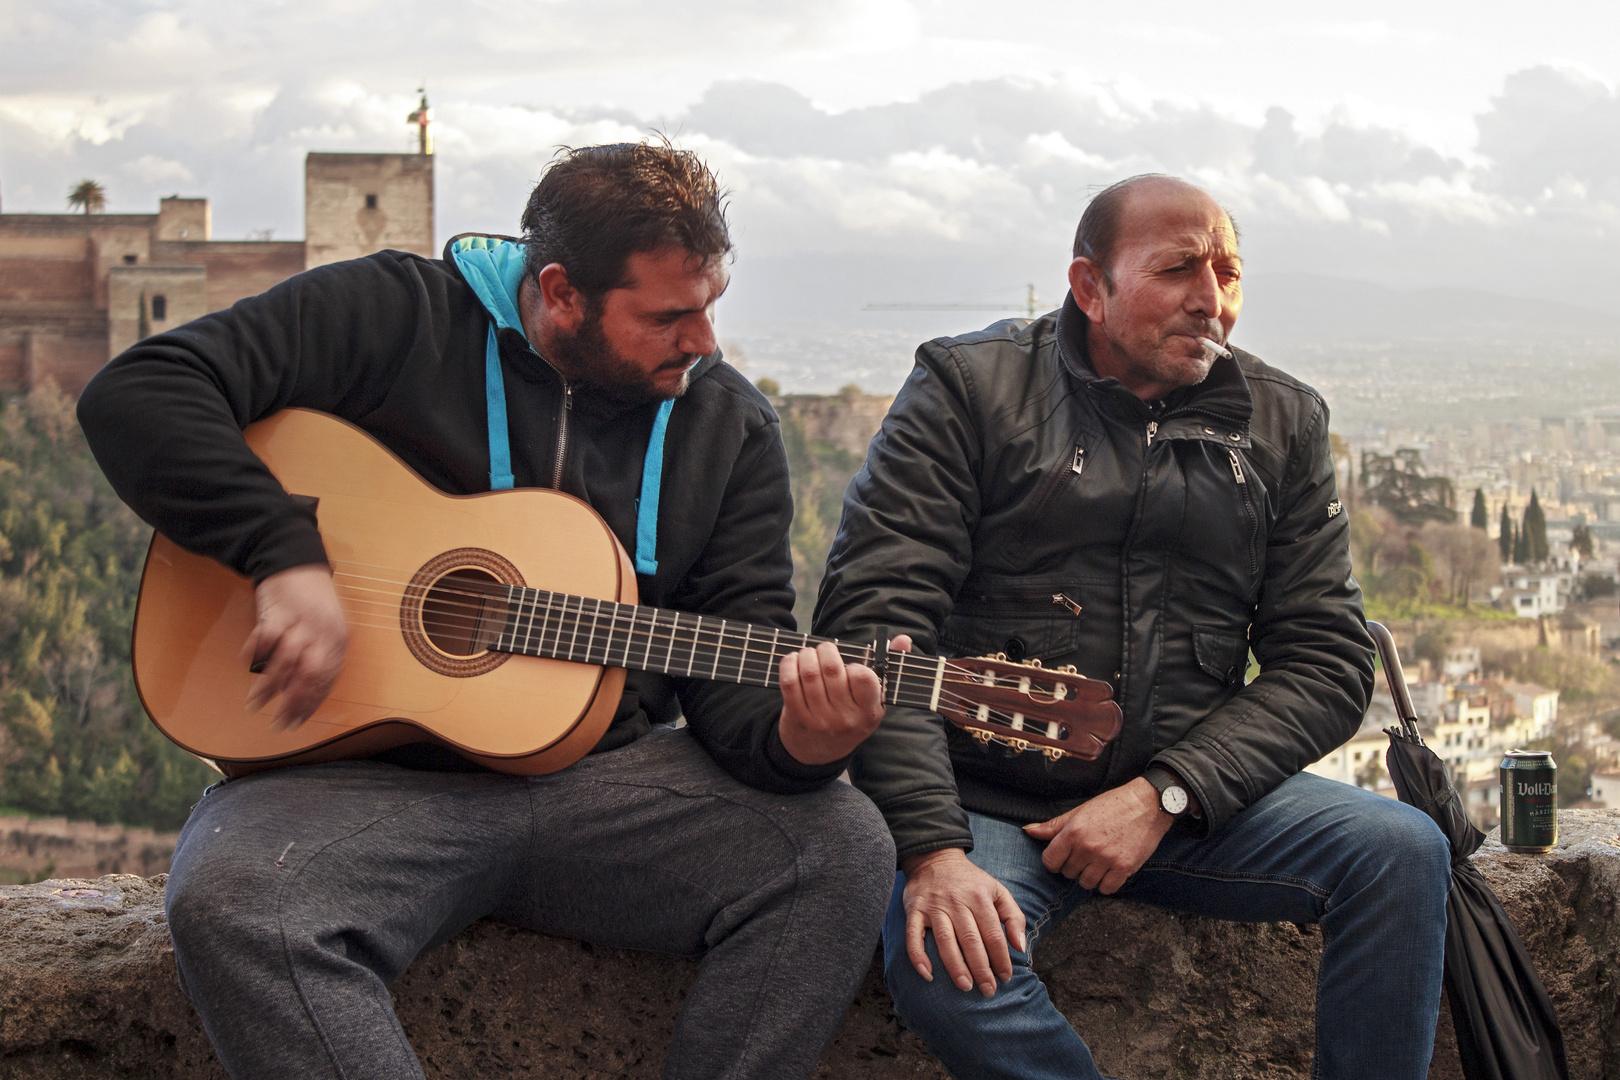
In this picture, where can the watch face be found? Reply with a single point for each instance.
(1174, 800)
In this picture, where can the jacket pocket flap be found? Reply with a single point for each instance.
(1223, 654)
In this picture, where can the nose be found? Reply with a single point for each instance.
(697, 334)
(1204, 298)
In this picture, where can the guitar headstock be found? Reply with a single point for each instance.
(1026, 706)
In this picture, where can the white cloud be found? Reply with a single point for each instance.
(156, 170)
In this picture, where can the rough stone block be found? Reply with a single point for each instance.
(87, 987)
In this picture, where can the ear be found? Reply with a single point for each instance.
(564, 304)
(1086, 283)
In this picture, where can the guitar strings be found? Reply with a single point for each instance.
(903, 695)
(765, 666)
(656, 633)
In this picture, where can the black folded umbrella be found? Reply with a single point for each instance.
(1505, 1024)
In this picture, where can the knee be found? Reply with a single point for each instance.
(850, 834)
(1401, 847)
(212, 898)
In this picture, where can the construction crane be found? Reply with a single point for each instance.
(1029, 307)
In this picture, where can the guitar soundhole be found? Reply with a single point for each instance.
(464, 611)
(455, 608)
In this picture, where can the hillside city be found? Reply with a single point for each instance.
(1512, 640)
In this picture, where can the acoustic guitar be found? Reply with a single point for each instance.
(501, 625)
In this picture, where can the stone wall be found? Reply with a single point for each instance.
(87, 988)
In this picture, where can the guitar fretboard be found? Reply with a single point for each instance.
(590, 631)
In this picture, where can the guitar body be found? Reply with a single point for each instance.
(392, 539)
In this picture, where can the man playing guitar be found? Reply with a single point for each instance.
(581, 358)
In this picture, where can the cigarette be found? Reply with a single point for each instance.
(1219, 350)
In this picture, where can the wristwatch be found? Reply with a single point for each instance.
(1173, 797)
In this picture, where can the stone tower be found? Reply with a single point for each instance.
(355, 204)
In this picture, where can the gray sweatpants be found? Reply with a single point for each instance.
(297, 896)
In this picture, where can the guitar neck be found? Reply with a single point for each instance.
(588, 631)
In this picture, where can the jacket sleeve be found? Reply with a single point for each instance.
(1310, 637)
(164, 419)
(746, 573)
(904, 546)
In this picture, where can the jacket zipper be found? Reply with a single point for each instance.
(1152, 430)
(562, 434)
(1248, 508)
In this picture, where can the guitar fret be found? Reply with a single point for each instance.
(501, 639)
(939, 682)
(520, 631)
(579, 616)
(669, 650)
(719, 638)
(556, 637)
(748, 636)
(531, 643)
(590, 640)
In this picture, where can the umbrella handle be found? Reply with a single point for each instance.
(1395, 676)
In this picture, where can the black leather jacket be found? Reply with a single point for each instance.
(1007, 475)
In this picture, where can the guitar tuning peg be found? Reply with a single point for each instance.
(1001, 656)
(1033, 661)
(1052, 753)
(1070, 669)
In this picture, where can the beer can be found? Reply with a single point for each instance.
(1529, 801)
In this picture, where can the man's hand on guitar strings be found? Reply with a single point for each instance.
(829, 707)
(297, 646)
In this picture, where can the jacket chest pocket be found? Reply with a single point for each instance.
(1031, 624)
(1223, 529)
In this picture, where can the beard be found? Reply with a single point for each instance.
(604, 369)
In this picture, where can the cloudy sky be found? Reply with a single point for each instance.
(878, 150)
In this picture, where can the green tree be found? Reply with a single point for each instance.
(1582, 542)
(1574, 777)
(89, 196)
(74, 739)
(820, 472)
(1534, 531)
(1521, 545)
(1481, 516)
(1398, 484)
(1504, 538)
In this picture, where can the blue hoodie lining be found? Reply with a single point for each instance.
(494, 269)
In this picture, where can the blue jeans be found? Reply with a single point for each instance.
(1372, 871)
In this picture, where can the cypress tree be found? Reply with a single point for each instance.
(1504, 539)
(1480, 518)
(1521, 546)
(1535, 529)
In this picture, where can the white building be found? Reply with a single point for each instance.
(1606, 789)
(1531, 594)
(1461, 663)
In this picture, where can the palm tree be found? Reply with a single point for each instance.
(89, 195)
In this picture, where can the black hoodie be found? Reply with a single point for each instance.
(395, 343)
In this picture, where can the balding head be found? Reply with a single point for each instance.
(1106, 216)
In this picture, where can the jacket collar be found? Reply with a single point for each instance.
(1224, 394)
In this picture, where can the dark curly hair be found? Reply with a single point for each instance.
(595, 206)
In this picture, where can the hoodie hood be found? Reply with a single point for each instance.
(493, 267)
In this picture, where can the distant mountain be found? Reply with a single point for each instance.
(1283, 307)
